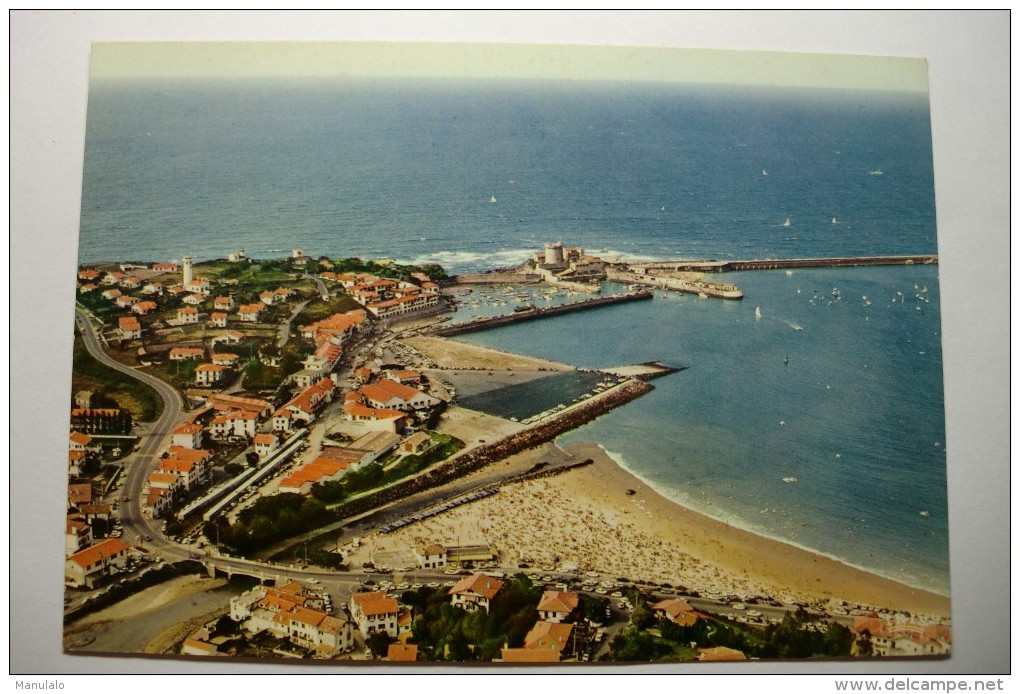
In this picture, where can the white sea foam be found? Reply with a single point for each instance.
(460, 261)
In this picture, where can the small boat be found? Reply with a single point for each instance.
(924, 513)
(875, 172)
(789, 479)
(764, 172)
(787, 222)
(757, 312)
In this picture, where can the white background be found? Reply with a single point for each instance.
(968, 54)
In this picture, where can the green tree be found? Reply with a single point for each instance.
(379, 643)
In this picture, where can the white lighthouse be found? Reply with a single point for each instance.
(186, 263)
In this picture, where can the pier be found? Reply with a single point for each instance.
(779, 263)
(537, 313)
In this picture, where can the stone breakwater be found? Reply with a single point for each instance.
(537, 313)
(477, 458)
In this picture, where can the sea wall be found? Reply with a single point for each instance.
(497, 278)
(477, 458)
(535, 314)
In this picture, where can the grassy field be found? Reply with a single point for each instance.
(140, 400)
(317, 310)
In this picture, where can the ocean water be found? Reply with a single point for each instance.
(408, 170)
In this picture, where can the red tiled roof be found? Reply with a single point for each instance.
(377, 603)
(720, 653)
(80, 438)
(548, 636)
(558, 601)
(402, 653)
(480, 584)
(79, 493)
(529, 655)
(90, 556)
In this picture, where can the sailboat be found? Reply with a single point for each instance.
(787, 222)
(757, 312)
(492, 199)
(764, 172)
(834, 222)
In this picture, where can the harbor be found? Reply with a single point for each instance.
(534, 313)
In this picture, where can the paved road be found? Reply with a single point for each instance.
(138, 465)
(283, 332)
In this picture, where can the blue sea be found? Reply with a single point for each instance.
(844, 397)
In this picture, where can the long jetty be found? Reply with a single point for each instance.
(785, 263)
(537, 313)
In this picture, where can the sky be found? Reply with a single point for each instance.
(519, 61)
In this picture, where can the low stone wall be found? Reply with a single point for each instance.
(537, 313)
(497, 278)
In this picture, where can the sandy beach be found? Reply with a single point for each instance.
(588, 517)
(605, 519)
(449, 354)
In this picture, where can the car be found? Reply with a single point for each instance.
(313, 581)
(125, 498)
(193, 555)
(148, 538)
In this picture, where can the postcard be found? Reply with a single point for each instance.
(529, 355)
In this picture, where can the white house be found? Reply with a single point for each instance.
(208, 374)
(250, 312)
(557, 606)
(187, 315)
(293, 613)
(432, 557)
(234, 423)
(87, 567)
(475, 592)
(130, 328)
(265, 444)
(375, 612)
(187, 435)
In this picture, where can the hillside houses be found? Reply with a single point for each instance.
(250, 313)
(904, 637)
(303, 406)
(293, 612)
(130, 328)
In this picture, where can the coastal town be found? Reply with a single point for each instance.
(303, 429)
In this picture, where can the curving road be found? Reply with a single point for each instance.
(139, 464)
